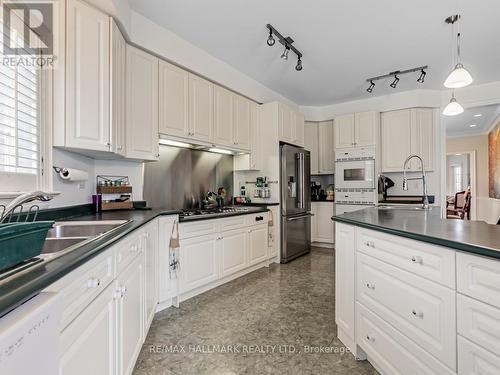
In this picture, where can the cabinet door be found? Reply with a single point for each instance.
(150, 248)
(173, 100)
(87, 77)
(257, 244)
(198, 262)
(326, 150)
(324, 213)
(255, 133)
(130, 315)
(286, 127)
(233, 251)
(311, 143)
(299, 129)
(366, 128)
(117, 89)
(200, 108)
(345, 282)
(242, 122)
(88, 345)
(344, 131)
(396, 130)
(224, 134)
(422, 137)
(142, 105)
(167, 281)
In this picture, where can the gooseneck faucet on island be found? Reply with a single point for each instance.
(425, 205)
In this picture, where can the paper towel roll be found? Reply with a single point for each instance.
(70, 174)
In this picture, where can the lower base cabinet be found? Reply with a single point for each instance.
(257, 244)
(322, 226)
(233, 252)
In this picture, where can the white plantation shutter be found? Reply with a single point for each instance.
(19, 124)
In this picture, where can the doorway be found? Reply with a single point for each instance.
(461, 180)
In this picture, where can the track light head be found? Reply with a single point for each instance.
(270, 39)
(421, 79)
(298, 67)
(395, 82)
(284, 55)
(370, 88)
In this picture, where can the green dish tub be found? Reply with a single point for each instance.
(21, 241)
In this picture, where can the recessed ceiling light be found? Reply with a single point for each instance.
(478, 115)
(472, 125)
(458, 154)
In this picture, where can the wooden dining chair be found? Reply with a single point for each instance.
(462, 207)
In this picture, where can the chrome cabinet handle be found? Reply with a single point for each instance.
(417, 260)
(370, 338)
(417, 313)
(93, 283)
(370, 286)
(370, 244)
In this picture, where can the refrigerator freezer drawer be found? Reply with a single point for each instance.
(296, 236)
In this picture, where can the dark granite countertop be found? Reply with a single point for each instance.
(19, 288)
(475, 237)
(258, 204)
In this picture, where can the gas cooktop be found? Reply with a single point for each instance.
(198, 213)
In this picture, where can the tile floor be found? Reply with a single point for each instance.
(269, 319)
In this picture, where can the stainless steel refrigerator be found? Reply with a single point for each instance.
(295, 202)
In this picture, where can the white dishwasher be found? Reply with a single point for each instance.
(29, 337)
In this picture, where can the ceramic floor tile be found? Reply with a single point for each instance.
(262, 323)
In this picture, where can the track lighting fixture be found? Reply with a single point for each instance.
(421, 79)
(395, 82)
(270, 39)
(370, 88)
(453, 108)
(298, 67)
(284, 55)
(459, 76)
(285, 41)
(396, 74)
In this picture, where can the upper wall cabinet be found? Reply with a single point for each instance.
(142, 105)
(319, 140)
(252, 161)
(117, 90)
(86, 122)
(224, 108)
(201, 105)
(242, 122)
(406, 132)
(311, 143)
(357, 130)
(290, 125)
(299, 128)
(173, 100)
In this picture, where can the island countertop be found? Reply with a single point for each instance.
(470, 236)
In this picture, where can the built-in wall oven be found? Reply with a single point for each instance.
(355, 169)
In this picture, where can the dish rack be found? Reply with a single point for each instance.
(18, 214)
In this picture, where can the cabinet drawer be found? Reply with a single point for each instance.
(197, 228)
(432, 262)
(479, 278)
(234, 222)
(127, 250)
(81, 286)
(474, 360)
(423, 310)
(257, 219)
(391, 350)
(479, 322)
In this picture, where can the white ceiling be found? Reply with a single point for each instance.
(461, 125)
(343, 41)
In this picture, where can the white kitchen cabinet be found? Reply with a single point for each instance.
(198, 259)
(167, 280)
(406, 132)
(130, 313)
(151, 276)
(357, 130)
(173, 100)
(86, 124)
(475, 360)
(257, 243)
(89, 344)
(326, 158)
(323, 226)
(242, 122)
(224, 124)
(142, 105)
(285, 125)
(253, 160)
(345, 263)
(200, 107)
(233, 251)
(311, 143)
(299, 128)
(117, 90)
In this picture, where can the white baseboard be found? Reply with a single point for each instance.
(323, 244)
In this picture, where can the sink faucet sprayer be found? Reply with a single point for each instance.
(424, 184)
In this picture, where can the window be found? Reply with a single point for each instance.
(20, 125)
(457, 178)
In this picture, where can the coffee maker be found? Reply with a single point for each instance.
(315, 191)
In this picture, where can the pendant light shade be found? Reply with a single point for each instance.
(453, 108)
(459, 77)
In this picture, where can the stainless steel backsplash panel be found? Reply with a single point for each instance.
(182, 177)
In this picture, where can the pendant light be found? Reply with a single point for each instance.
(453, 108)
(459, 76)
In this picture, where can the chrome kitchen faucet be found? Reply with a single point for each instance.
(424, 184)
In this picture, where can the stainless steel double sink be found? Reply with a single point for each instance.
(64, 236)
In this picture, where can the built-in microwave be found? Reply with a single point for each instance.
(355, 169)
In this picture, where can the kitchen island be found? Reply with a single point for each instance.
(417, 294)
